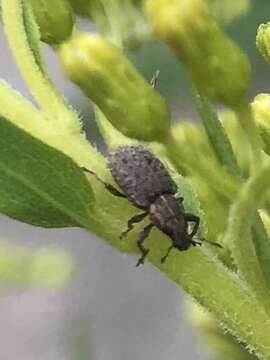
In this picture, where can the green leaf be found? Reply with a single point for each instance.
(191, 201)
(40, 185)
(217, 135)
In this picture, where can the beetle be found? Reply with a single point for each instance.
(146, 183)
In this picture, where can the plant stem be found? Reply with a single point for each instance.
(220, 291)
(238, 234)
(202, 168)
(247, 122)
(37, 80)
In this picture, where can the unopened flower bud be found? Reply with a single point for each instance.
(263, 41)
(109, 79)
(261, 111)
(54, 18)
(220, 70)
(228, 11)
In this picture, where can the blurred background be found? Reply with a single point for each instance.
(109, 309)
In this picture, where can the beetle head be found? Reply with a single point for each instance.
(168, 215)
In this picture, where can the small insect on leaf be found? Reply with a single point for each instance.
(146, 183)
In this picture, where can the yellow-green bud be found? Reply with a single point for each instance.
(214, 63)
(227, 11)
(263, 40)
(261, 111)
(54, 18)
(108, 78)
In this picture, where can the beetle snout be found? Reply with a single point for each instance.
(182, 243)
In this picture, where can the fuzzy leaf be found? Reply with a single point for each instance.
(40, 185)
(217, 135)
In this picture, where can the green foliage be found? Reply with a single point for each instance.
(217, 136)
(191, 202)
(222, 346)
(40, 185)
(222, 170)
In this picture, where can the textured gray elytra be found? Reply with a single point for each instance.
(145, 182)
(140, 175)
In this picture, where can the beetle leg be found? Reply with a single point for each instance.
(195, 219)
(195, 243)
(163, 259)
(212, 243)
(142, 236)
(108, 186)
(131, 221)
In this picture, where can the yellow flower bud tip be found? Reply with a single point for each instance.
(263, 40)
(171, 18)
(108, 78)
(214, 63)
(261, 109)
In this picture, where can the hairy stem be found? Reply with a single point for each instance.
(239, 233)
(43, 91)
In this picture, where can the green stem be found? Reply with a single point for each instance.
(247, 122)
(37, 81)
(16, 108)
(219, 290)
(112, 10)
(239, 233)
(184, 158)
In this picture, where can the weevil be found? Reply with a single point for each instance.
(146, 183)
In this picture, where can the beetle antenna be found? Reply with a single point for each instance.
(212, 243)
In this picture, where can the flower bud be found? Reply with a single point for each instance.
(263, 41)
(112, 82)
(54, 18)
(220, 70)
(225, 12)
(261, 111)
